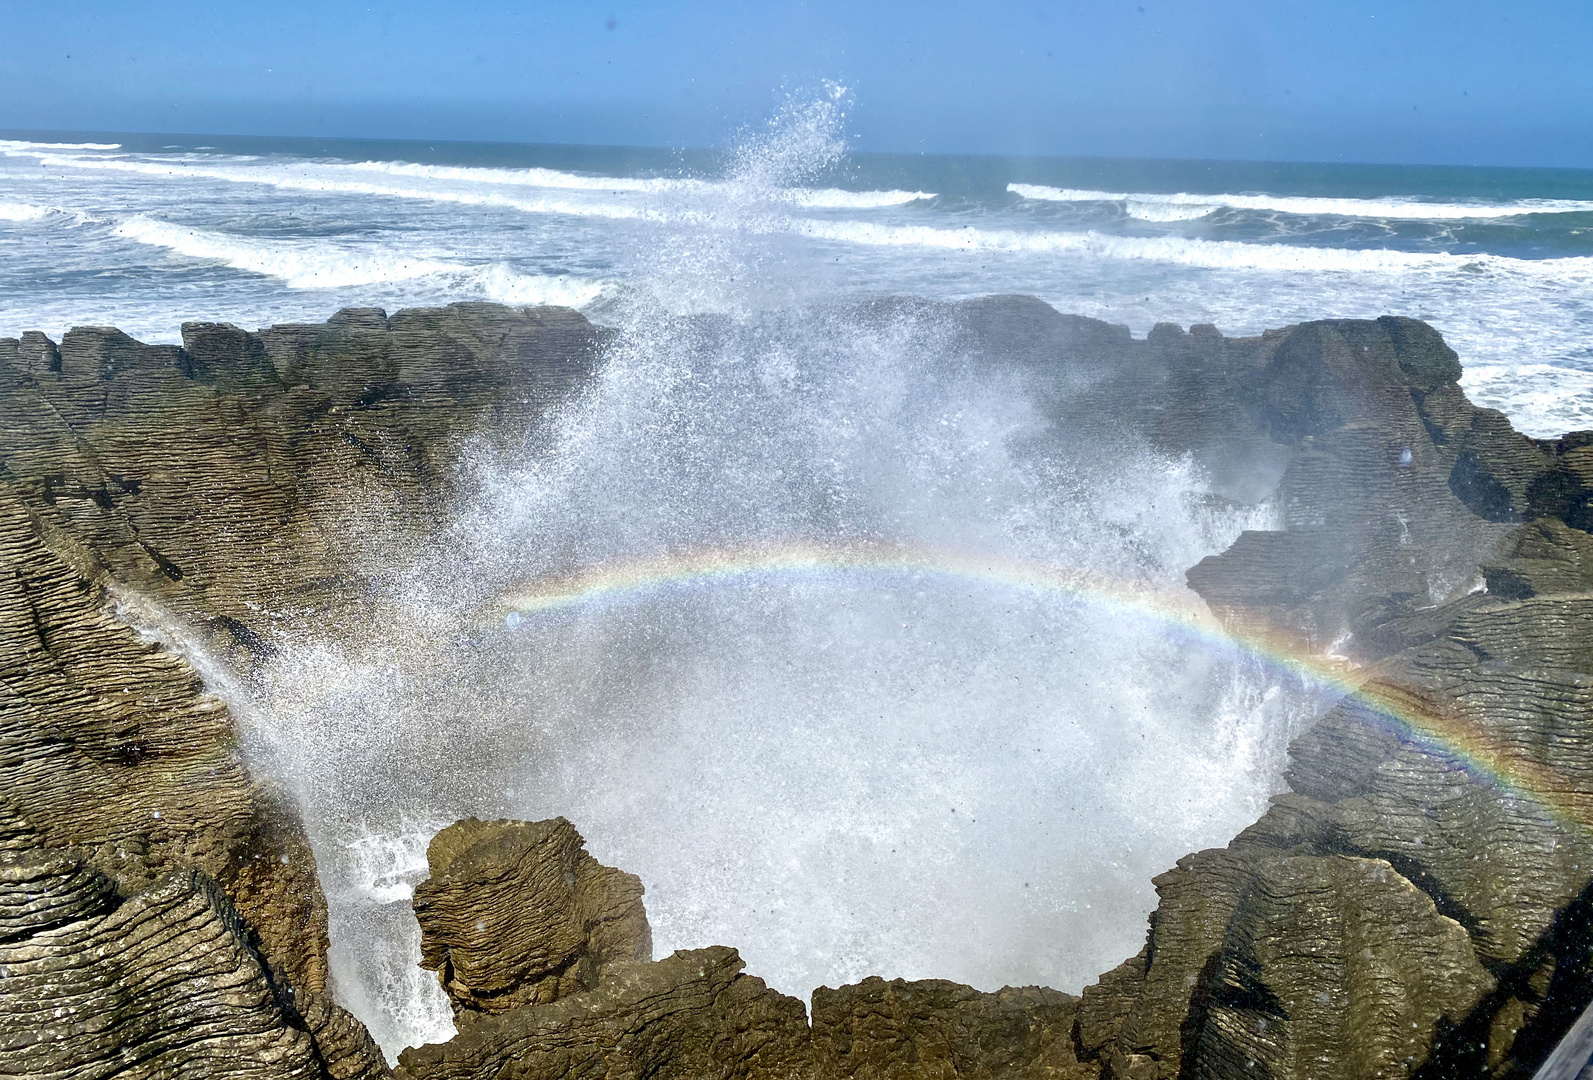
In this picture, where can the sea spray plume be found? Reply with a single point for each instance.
(805, 137)
(1443, 729)
(841, 773)
(732, 265)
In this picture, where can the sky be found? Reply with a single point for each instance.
(1420, 81)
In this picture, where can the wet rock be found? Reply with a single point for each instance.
(1542, 557)
(222, 487)
(1439, 817)
(691, 1016)
(247, 477)
(540, 948)
(1441, 820)
(1334, 967)
(899, 1030)
(1397, 489)
(518, 913)
(164, 983)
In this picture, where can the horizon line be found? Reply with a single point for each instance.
(12, 132)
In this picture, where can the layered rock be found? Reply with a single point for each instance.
(517, 913)
(543, 952)
(900, 1030)
(1417, 904)
(245, 478)
(231, 484)
(163, 983)
(691, 1016)
(1446, 803)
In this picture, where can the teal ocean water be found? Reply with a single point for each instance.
(145, 231)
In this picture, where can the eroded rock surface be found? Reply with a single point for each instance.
(900, 1030)
(1417, 904)
(691, 1016)
(518, 913)
(234, 484)
(163, 983)
(542, 949)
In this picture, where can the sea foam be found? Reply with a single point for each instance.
(1186, 251)
(22, 144)
(10, 211)
(1183, 206)
(376, 178)
(320, 265)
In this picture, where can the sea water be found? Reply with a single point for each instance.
(144, 231)
(840, 772)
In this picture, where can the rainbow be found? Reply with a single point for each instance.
(1439, 728)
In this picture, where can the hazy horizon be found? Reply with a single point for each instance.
(1417, 83)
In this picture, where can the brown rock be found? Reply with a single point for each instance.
(162, 984)
(691, 1016)
(518, 913)
(938, 1030)
(1335, 968)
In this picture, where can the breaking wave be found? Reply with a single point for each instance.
(10, 211)
(347, 179)
(9, 145)
(1183, 207)
(1186, 251)
(320, 265)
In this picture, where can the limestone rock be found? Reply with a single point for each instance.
(1545, 556)
(518, 913)
(1396, 492)
(1335, 968)
(249, 479)
(229, 484)
(162, 984)
(1459, 776)
(109, 742)
(899, 1030)
(691, 1016)
(246, 477)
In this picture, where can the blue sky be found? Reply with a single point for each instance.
(1419, 81)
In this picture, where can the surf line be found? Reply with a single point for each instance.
(1439, 728)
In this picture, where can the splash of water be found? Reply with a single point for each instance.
(839, 775)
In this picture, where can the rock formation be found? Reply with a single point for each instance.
(1418, 903)
(900, 1030)
(223, 481)
(692, 1015)
(544, 952)
(164, 983)
(1430, 865)
(517, 913)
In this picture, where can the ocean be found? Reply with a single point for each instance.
(841, 773)
(145, 231)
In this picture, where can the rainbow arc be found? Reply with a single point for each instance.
(1440, 728)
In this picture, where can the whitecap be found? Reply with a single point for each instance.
(10, 211)
(320, 265)
(305, 179)
(22, 144)
(837, 199)
(1143, 205)
(530, 177)
(1185, 251)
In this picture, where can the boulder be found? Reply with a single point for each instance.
(518, 913)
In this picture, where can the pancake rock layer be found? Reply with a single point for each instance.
(1416, 905)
